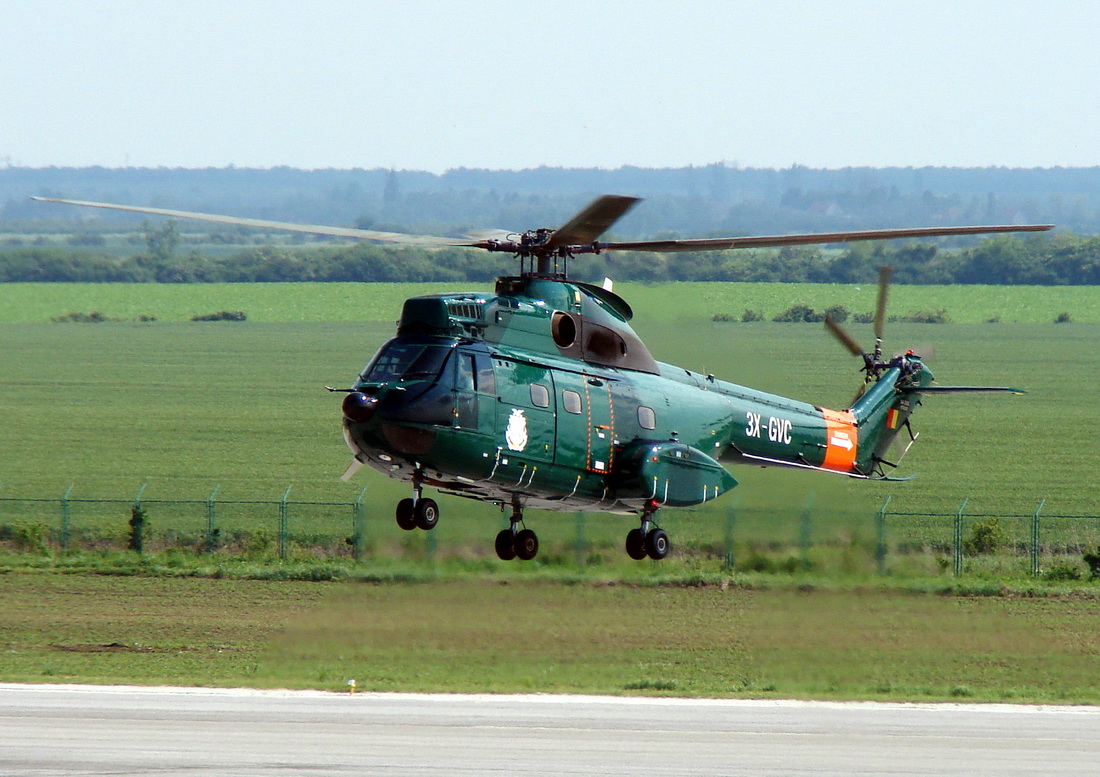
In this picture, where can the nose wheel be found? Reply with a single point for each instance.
(648, 540)
(518, 543)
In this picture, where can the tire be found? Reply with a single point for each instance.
(406, 514)
(506, 545)
(527, 545)
(426, 514)
(656, 544)
(635, 545)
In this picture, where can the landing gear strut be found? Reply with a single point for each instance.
(418, 512)
(649, 539)
(522, 544)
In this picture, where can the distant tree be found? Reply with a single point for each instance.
(162, 240)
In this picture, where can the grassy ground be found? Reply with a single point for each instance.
(186, 406)
(501, 636)
(182, 407)
(675, 302)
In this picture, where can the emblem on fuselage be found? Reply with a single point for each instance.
(516, 433)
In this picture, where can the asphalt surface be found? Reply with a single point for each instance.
(89, 730)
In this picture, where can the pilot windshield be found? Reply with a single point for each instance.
(402, 360)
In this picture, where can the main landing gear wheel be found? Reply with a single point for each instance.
(648, 539)
(635, 544)
(656, 544)
(426, 514)
(406, 514)
(522, 544)
(506, 545)
(527, 545)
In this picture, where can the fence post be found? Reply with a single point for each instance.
(805, 532)
(731, 520)
(211, 528)
(959, 538)
(283, 524)
(880, 533)
(580, 547)
(65, 518)
(1035, 539)
(357, 525)
(137, 523)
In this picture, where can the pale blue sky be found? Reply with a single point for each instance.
(497, 84)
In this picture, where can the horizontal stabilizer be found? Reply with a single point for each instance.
(959, 389)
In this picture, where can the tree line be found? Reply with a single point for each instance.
(694, 201)
(1059, 259)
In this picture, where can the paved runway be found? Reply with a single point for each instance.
(89, 730)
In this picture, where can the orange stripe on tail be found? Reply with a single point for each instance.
(841, 439)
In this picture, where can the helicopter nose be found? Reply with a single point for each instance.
(357, 406)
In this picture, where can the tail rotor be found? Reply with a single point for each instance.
(873, 365)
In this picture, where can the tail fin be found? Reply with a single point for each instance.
(882, 413)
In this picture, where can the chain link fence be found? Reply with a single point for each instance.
(829, 540)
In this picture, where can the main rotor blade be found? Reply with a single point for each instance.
(313, 229)
(773, 241)
(840, 334)
(592, 222)
(880, 305)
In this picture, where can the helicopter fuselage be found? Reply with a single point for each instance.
(541, 393)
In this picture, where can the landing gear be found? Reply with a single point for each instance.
(649, 539)
(635, 544)
(426, 514)
(527, 545)
(506, 545)
(418, 512)
(522, 544)
(656, 544)
(406, 514)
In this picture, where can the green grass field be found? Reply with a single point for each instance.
(481, 636)
(657, 303)
(182, 407)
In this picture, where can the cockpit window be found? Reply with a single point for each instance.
(405, 361)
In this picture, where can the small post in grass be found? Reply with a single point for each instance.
(358, 526)
(283, 520)
(959, 538)
(137, 523)
(880, 533)
(211, 528)
(1035, 539)
(66, 518)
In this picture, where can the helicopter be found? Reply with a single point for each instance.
(540, 395)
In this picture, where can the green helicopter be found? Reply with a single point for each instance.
(540, 395)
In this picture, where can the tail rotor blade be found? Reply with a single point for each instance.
(845, 339)
(884, 273)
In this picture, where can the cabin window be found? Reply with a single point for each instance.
(540, 395)
(404, 360)
(647, 419)
(464, 377)
(486, 382)
(605, 345)
(571, 401)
